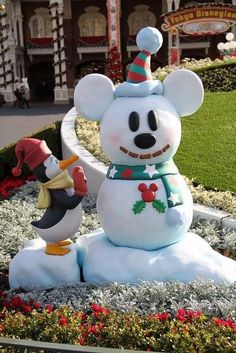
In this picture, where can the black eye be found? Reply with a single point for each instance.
(153, 120)
(134, 121)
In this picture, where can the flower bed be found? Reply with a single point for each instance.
(184, 331)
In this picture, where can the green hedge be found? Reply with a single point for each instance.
(218, 78)
(217, 75)
(51, 134)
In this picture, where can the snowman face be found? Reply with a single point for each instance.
(52, 167)
(142, 130)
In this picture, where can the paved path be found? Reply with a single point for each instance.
(16, 123)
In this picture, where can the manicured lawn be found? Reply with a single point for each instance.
(208, 148)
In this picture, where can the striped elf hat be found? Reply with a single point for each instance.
(140, 68)
(139, 81)
(149, 40)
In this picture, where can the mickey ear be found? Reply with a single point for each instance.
(184, 89)
(93, 94)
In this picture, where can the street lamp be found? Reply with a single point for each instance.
(2, 5)
(229, 47)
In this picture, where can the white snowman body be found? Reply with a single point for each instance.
(141, 131)
(149, 229)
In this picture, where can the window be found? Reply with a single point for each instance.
(40, 24)
(140, 18)
(92, 23)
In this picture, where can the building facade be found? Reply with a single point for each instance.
(54, 43)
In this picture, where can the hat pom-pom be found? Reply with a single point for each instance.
(16, 171)
(149, 39)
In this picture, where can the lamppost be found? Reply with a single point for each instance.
(229, 47)
(2, 5)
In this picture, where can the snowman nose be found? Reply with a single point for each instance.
(145, 140)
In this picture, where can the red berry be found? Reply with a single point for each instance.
(153, 187)
(148, 195)
(142, 187)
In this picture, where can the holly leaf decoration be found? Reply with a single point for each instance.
(138, 206)
(159, 206)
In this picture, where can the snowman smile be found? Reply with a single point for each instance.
(145, 156)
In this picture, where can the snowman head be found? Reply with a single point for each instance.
(140, 118)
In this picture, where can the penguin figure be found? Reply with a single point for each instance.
(59, 193)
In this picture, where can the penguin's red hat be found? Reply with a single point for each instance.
(31, 151)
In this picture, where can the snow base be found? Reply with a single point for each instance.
(32, 267)
(190, 259)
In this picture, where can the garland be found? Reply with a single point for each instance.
(58, 39)
(5, 62)
(114, 65)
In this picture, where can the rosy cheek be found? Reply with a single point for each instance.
(114, 138)
(170, 135)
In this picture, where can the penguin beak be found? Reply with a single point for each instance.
(66, 162)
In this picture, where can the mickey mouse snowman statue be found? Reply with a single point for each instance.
(144, 204)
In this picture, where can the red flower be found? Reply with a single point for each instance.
(181, 312)
(31, 178)
(97, 309)
(63, 321)
(17, 301)
(37, 306)
(233, 326)
(194, 314)
(5, 194)
(181, 315)
(162, 316)
(225, 323)
(26, 308)
(82, 341)
(6, 304)
(100, 326)
(49, 308)
(11, 183)
(92, 329)
(84, 316)
(94, 307)
(31, 302)
(96, 314)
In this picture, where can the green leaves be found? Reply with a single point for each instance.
(138, 206)
(159, 206)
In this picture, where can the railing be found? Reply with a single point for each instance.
(96, 41)
(35, 346)
(40, 43)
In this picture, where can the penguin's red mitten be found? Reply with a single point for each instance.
(80, 181)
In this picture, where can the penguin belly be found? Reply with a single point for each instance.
(67, 226)
(147, 229)
(59, 223)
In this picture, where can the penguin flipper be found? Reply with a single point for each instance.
(36, 224)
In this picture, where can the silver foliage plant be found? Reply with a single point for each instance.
(146, 298)
(215, 300)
